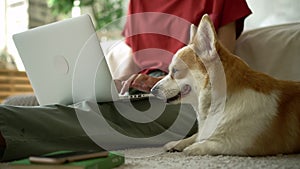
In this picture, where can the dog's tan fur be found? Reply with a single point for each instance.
(261, 115)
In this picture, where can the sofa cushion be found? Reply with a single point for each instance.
(274, 50)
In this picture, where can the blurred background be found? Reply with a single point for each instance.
(20, 15)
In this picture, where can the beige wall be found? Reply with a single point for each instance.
(272, 12)
(2, 25)
(16, 21)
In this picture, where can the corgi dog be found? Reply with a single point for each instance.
(247, 113)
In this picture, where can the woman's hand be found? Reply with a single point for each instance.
(141, 82)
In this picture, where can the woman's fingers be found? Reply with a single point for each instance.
(127, 84)
(141, 82)
(144, 82)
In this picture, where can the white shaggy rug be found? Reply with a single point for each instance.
(155, 158)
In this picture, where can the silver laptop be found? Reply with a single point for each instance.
(65, 63)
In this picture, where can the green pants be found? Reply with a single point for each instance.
(42, 129)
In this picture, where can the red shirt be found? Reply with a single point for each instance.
(156, 29)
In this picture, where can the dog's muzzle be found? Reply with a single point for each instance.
(160, 93)
(157, 92)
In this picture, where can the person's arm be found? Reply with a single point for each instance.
(227, 35)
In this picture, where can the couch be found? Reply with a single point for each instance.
(274, 50)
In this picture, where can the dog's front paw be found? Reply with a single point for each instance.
(171, 146)
(175, 146)
(205, 148)
(195, 149)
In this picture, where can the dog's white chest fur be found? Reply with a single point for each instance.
(245, 118)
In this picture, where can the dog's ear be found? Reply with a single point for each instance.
(205, 39)
(193, 31)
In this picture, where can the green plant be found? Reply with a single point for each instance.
(104, 11)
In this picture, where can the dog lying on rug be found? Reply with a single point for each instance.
(257, 115)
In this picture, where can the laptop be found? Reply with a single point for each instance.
(65, 63)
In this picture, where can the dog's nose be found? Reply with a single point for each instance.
(157, 92)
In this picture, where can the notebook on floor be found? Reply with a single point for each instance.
(65, 63)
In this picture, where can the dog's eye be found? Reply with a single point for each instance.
(174, 70)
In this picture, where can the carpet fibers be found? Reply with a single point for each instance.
(155, 158)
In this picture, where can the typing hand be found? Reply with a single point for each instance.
(141, 82)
